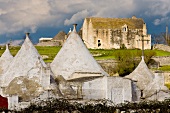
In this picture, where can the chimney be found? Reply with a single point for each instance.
(166, 38)
(74, 27)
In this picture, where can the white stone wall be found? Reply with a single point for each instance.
(119, 89)
(13, 102)
(116, 89)
(95, 89)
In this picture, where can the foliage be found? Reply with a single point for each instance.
(164, 68)
(161, 38)
(99, 54)
(128, 61)
(96, 106)
(168, 85)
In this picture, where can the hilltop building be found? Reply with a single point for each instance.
(57, 40)
(108, 33)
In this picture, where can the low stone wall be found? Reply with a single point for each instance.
(108, 65)
(164, 60)
(161, 47)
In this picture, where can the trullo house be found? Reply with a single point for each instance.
(150, 86)
(28, 78)
(78, 67)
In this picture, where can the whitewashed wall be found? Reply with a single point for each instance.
(116, 89)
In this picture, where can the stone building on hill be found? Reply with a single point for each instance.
(57, 40)
(60, 37)
(107, 33)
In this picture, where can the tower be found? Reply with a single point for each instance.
(166, 38)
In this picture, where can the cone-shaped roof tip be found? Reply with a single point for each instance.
(74, 27)
(27, 34)
(7, 46)
(142, 57)
(70, 30)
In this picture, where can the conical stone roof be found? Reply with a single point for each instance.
(26, 61)
(5, 60)
(74, 57)
(142, 75)
(156, 86)
(60, 36)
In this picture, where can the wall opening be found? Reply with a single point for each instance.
(99, 43)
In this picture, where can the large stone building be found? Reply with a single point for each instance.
(107, 33)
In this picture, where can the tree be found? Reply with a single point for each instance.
(161, 38)
(128, 60)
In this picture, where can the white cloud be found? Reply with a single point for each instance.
(158, 8)
(13, 43)
(157, 21)
(77, 17)
(30, 15)
(165, 20)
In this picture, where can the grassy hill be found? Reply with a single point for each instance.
(99, 54)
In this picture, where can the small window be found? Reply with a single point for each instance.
(147, 41)
(99, 43)
(125, 29)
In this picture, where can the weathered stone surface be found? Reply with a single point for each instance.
(74, 57)
(5, 60)
(27, 61)
(156, 89)
(107, 33)
(25, 88)
(161, 47)
(117, 89)
(162, 60)
(142, 75)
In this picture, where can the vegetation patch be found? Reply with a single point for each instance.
(95, 106)
(99, 54)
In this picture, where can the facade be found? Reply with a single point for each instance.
(108, 33)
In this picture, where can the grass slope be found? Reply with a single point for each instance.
(99, 54)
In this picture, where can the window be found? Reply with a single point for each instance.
(99, 43)
(125, 29)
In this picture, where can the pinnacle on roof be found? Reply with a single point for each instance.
(142, 75)
(74, 58)
(26, 61)
(69, 31)
(74, 28)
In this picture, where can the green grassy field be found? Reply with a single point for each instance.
(99, 54)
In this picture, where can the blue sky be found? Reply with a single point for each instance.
(45, 18)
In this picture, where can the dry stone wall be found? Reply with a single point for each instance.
(161, 47)
(164, 60)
